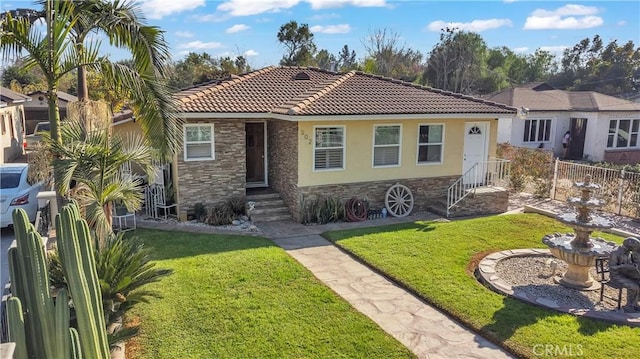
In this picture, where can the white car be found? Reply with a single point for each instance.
(17, 192)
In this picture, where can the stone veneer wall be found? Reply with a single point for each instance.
(212, 182)
(282, 152)
(484, 201)
(622, 156)
(426, 192)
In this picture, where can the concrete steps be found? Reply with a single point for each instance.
(268, 208)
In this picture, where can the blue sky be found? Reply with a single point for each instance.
(249, 27)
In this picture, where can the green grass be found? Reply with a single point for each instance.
(433, 259)
(244, 297)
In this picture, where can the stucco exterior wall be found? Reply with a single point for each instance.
(598, 141)
(12, 133)
(282, 154)
(358, 164)
(214, 181)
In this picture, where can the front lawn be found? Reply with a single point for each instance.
(433, 259)
(244, 297)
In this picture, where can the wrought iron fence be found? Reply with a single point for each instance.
(620, 188)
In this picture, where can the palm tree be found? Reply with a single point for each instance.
(89, 168)
(51, 51)
(123, 23)
(66, 48)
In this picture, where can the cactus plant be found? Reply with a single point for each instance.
(78, 263)
(45, 326)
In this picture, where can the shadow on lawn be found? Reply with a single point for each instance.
(515, 314)
(173, 245)
(339, 234)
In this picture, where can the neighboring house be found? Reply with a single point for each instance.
(603, 128)
(37, 110)
(308, 133)
(12, 123)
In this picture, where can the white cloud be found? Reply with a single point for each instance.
(157, 9)
(199, 45)
(237, 28)
(328, 4)
(555, 49)
(250, 53)
(331, 29)
(621, 23)
(210, 17)
(255, 7)
(521, 49)
(184, 34)
(568, 17)
(473, 26)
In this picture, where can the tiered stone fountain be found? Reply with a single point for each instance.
(579, 250)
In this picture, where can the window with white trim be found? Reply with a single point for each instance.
(430, 143)
(623, 133)
(537, 130)
(328, 148)
(198, 142)
(386, 145)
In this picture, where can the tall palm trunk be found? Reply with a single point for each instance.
(83, 90)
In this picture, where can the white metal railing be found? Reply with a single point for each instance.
(620, 189)
(494, 172)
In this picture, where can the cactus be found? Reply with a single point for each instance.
(78, 263)
(16, 329)
(42, 328)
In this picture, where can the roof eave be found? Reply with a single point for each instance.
(364, 117)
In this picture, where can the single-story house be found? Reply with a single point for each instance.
(37, 110)
(12, 123)
(602, 127)
(306, 132)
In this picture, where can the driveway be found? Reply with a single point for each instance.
(6, 237)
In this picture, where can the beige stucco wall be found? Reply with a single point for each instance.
(359, 152)
(12, 136)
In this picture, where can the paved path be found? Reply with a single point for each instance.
(424, 330)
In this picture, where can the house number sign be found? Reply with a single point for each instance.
(305, 136)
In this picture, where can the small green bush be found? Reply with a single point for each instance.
(322, 211)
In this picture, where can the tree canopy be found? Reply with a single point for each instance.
(298, 42)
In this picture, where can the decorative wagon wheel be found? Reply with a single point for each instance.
(398, 200)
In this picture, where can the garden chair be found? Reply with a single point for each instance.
(122, 220)
(602, 269)
(160, 201)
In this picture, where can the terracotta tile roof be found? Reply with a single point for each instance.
(545, 98)
(276, 90)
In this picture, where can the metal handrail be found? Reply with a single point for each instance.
(482, 174)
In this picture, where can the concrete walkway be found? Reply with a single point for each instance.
(423, 329)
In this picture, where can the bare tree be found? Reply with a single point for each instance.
(390, 57)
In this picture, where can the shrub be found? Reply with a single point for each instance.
(321, 211)
(200, 211)
(220, 215)
(123, 267)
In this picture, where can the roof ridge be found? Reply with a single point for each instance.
(436, 90)
(306, 98)
(226, 83)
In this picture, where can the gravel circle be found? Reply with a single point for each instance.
(534, 276)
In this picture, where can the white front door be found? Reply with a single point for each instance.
(476, 147)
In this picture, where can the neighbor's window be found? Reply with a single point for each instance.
(430, 143)
(386, 145)
(623, 133)
(328, 148)
(198, 142)
(537, 130)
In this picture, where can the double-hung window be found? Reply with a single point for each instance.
(328, 148)
(537, 130)
(430, 144)
(198, 142)
(623, 133)
(386, 145)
